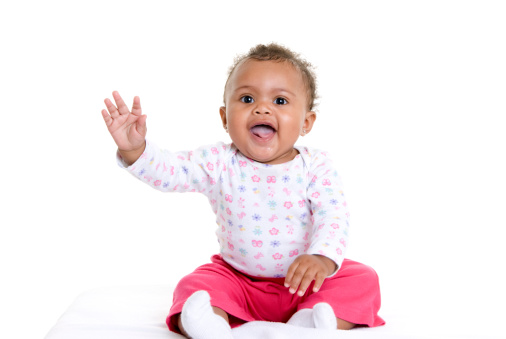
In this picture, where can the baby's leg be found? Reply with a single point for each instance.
(200, 320)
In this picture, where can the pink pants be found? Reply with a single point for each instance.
(353, 292)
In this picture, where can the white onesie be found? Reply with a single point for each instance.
(267, 215)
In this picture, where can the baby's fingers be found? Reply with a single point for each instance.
(107, 118)
(113, 111)
(122, 107)
(306, 281)
(320, 277)
(136, 106)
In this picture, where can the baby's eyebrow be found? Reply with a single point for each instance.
(273, 90)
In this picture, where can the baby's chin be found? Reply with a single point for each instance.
(271, 158)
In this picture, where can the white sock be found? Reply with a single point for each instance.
(324, 317)
(199, 320)
(321, 316)
(302, 318)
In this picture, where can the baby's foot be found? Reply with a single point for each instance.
(321, 316)
(199, 320)
(324, 317)
(302, 318)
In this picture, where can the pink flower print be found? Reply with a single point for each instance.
(157, 183)
(321, 226)
(343, 242)
(229, 212)
(260, 267)
(332, 235)
(334, 226)
(279, 267)
(241, 202)
(242, 163)
(259, 255)
(274, 217)
(315, 195)
(277, 256)
(180, 157)
(230, 246)
(288, 204)
(306, 247)
(306, 236)
(257, 243)
(302, 203)
(272, 192)
(339, 251)
(228, 198)
(255, 178)
(326, 182)
(287, 191)
(214, 150)
(274, 231)
(186, 185)
(294, 252)
(210, 166)
(241, 215)
(212, 181)
(271, 179)
(171, 170)
(290, 229)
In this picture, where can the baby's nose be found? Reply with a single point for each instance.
(263, 108)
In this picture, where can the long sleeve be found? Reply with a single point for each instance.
(189, 171)
(328, 210)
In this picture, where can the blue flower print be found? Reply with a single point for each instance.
(242, 188)
(275, 243)
(285, 178)
(257, 230)
(256, 217)
(185, 170)
(333, 202)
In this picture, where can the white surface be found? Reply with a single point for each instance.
(412, 110)
(138, 312)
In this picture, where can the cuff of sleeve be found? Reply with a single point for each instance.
(121, 163)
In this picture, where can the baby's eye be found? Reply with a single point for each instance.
(280, 101)
(247, 99)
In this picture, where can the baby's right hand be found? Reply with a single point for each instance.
(128, 129)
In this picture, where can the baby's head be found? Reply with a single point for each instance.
(278, 53)
(269, 97)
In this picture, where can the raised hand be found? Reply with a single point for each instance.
(127, 128)
(306, 268)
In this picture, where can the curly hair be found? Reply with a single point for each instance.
(279, 53)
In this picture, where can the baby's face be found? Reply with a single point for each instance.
(266, 110)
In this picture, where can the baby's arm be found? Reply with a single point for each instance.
(128, 129)
(330, 228)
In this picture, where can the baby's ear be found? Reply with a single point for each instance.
(309, 121)
(223, 115)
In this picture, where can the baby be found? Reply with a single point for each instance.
(281, 214)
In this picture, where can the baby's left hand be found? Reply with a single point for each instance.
(306, 268)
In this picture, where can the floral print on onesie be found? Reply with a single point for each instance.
(267, 215)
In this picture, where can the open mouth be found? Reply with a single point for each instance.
(262, 131)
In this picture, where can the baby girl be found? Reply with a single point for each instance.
(282, 221)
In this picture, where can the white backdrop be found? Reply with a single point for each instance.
(412, 109)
